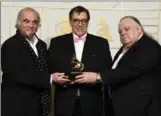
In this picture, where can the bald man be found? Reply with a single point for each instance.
(25, 80)
(134, 80)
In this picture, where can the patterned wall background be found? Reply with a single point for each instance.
(104, 18)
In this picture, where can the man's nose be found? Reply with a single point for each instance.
(80, 23)
(30, 24)
(122, 32)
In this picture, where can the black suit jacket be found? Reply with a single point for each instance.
(96, 57)
(22, 82)
(135, 82)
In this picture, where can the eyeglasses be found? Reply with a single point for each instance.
(77, 21)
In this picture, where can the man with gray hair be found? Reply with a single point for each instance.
(134, 79)
(25, 80)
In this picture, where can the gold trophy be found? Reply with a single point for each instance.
(77, 68)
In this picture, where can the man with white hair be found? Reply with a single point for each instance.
(25, 80)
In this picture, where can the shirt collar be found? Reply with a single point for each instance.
(84, 36)
(33, 41)
(140, 36)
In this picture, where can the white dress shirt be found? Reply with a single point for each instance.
(79, 46)
(118, 59)
(33, 43)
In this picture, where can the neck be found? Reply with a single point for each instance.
(126, 47)
(80, 35)
(30, 38)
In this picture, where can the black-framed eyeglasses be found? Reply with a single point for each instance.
(77, 21)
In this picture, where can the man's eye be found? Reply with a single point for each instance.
(75, 20)
(84, 20)
(126, 29)
(35, 22)
(26, 21)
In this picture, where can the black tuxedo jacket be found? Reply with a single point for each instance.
(22, 82)
(135, 82)
(96, 57)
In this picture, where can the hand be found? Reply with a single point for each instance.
(86, 77)
(60, 78)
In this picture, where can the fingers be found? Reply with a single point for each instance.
(86, 77)
(80, 79)
(79, 76)
(60, 78)
(72, 82)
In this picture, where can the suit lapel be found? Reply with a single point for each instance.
(28, 47)
(86, 48)
(70, 44)
(39, 61)
(117, 55)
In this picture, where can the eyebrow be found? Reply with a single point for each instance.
(30, 20)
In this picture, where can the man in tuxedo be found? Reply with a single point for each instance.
(82, 96)
(25, 80)
(134, 78)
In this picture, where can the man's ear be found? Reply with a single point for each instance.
(18, 23)
(39, 25)
(139, 29)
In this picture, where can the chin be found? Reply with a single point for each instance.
(81, 34)
(30, 35)
(126, 42)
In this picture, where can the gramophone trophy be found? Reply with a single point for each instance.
(77, 68)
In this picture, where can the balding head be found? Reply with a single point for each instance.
(135, 20)
(28, 21)
(21, 13)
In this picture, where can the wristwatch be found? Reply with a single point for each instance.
(98, 79)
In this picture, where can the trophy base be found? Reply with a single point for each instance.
(73, 75)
